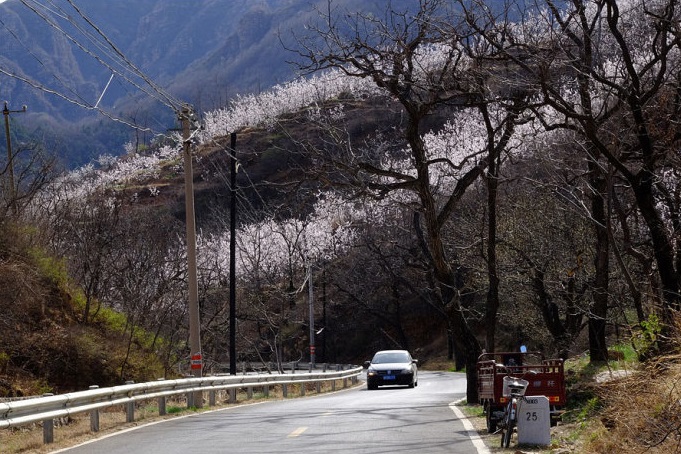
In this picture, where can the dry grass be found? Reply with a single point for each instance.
(76, 430)
(641, 412)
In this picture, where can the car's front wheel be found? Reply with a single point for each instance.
(414, 382)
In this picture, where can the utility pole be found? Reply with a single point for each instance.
(232, 257)
(194, 322)
(10, 157)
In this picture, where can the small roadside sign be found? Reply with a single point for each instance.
(534, 421)
(196, 361)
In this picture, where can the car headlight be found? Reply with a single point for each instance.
(371, 372)
(406, 371)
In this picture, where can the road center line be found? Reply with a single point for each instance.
(297, 432)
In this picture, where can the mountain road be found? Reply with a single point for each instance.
(388, 420)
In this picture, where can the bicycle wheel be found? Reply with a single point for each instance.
(506, 440)
(505, 424)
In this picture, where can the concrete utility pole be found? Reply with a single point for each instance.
(194, 322)
(10, 157)
(232, 256)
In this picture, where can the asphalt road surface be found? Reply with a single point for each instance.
(387, 420)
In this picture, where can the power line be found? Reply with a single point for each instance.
(74, 97)
(151, 83)
(118, 57)
(41, 87)
(30, 52)
(124, 64)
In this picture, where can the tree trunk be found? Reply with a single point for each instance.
(492, 306)
(598, 349)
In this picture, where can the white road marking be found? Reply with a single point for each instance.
(472, 433)
(297, 432)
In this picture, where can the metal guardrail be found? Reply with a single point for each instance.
(47, 408)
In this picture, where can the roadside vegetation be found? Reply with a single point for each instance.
(623, 405)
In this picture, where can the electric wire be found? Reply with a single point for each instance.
(171, 100)
(40, 62)
(57, 10)
(118, 72)
(117, 57)
(118, 63)
(113, 52)
(39, 86)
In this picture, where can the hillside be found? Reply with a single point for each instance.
(44, 346)
(273, 175)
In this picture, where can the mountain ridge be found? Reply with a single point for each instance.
(203, 52)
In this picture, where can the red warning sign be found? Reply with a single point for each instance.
(196, 362)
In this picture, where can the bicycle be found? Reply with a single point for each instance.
(514, 390)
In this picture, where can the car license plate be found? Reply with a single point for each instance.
(389, 377)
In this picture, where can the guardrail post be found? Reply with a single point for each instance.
(162, 406)
(211, 398)
(302, 388)
(249, 392)
(232, 395)
(266, 390)
(130, 411)
(333, 385)
(94, 416)
(161, 403)
(48, 427)
(130, 407)
(284, 390)
(48, 431)
(318, 387)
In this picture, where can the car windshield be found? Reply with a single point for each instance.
(393, 357)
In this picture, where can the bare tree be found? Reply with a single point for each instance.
(634, 72)
(394, 53)
(607, 71)
(32, 170)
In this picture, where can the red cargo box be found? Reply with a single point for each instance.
(546, 377)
